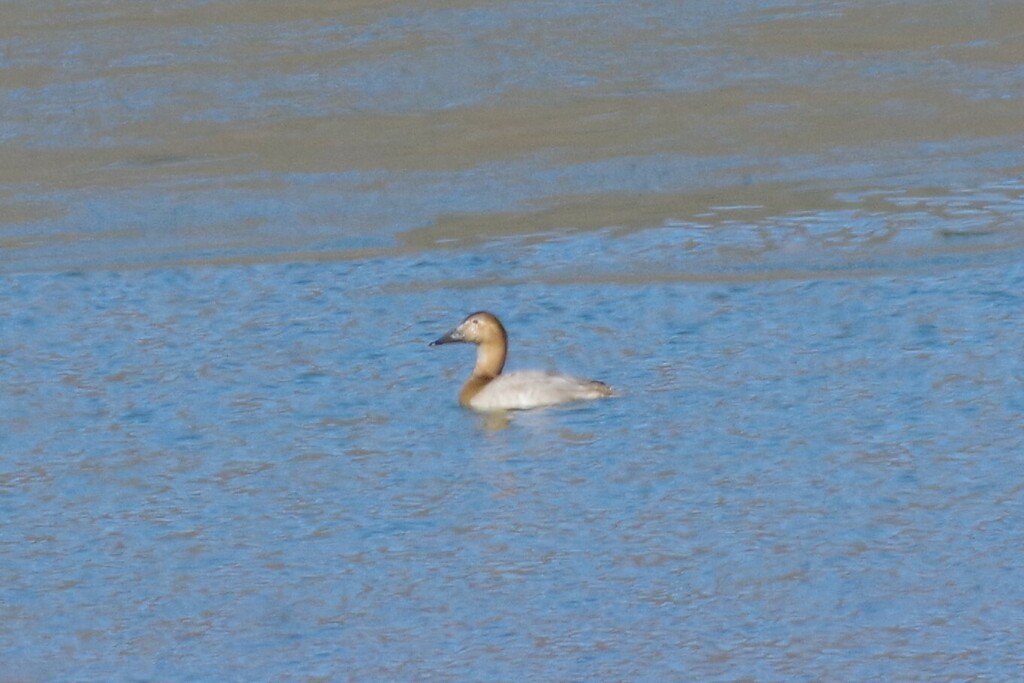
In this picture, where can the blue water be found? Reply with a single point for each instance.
(789, 235)
(253, 472)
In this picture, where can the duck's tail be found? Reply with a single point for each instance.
(600, 388)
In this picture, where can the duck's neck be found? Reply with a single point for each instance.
(490, 359)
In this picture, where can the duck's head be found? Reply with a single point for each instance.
(478, 328)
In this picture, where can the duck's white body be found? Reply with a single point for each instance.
(534, 389)
(489, 390)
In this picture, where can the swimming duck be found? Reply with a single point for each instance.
(489, 390)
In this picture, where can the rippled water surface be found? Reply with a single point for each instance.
(789, 233)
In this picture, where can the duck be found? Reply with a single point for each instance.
(488, 390)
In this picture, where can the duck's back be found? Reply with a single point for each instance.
(534, 389)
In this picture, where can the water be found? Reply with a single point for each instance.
(788, 233)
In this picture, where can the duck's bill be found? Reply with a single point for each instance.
(453, 336)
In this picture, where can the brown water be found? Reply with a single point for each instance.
(212, 132)
(788, 232)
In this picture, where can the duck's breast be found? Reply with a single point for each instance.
(534, 389)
